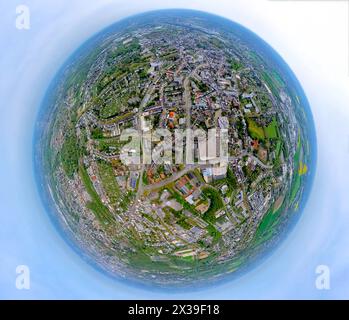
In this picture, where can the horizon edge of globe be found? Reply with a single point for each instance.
(39, 175)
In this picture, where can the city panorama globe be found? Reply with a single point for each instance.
(175, 148)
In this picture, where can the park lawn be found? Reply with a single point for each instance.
(255, 131)
(260, 133)
(271, 131)
(95, 205)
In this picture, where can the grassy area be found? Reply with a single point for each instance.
(70, 154)
(217, 43)
(80, 71)
(256, 132)
(215, 205)
(198, 175)
(236, 65)
(266, 227)
(181, 219)
(297, 180)
(256, 58)
(147, 216)
(297, 155)
(184, 224)
(124, 49)
(271, 131)
(109, 181)
(141, 260)
(266, 222)
(145, 179)
(260, 133)
(273, 85)
(296, 184)
(101, 212)
(110, 145)
(113, 109)
(188, 259)
(231, 179)
(129, 60)
(278, 80)
(270, 219)
(97, 133)
(213, 232)
(203, 87)
(278, 148)
(119, 118)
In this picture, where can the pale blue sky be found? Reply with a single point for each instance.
(316, 50)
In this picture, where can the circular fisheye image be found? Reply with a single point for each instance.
(175, 148)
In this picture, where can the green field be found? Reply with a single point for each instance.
(297, 182)
(278, 80)
(297, 179)
(267, 222)
(271, 83)
(260, 133)
(101, 212)
(111, 109)
(236, 65)
(265, 228)
(271, 131)
(213, 232)
(70, 154)
(278, 149)
(109, 181)
(256, 132)
(215, 205)
(231, 179)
